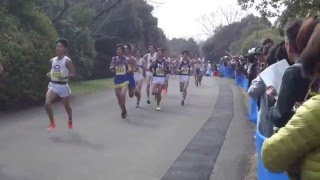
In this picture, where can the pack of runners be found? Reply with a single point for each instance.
(131, 70)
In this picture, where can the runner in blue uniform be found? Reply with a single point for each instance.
(133, 66)
(120, 67)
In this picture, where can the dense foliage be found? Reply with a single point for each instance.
(178, 44)
(283, 9)
(239, 37)
(25, 49)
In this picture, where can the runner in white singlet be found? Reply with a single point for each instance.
(62, 70)
(138, 75)
(149, 58)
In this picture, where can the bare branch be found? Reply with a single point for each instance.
(107, 10)
(66, 7)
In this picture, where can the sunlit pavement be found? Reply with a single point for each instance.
(210, 133)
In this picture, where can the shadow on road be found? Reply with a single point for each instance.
(4, 176)
(76, 139)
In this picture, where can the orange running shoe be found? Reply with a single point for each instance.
(70, 125)
(164, 92)
(51, 127)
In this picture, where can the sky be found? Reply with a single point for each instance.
(180, 18)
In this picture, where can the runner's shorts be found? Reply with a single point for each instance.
(198, 71)
(184, 78)
(132, 82)
(138, 77)
(62, 90)
(149, 75)
(159, 80)
(167, 76)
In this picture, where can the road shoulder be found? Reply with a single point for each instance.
(233, 160)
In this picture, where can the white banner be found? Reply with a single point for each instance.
(272, 75)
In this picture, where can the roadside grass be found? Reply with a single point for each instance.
(90, 86)
(253, 159)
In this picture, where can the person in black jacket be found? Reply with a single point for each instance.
(294, 86)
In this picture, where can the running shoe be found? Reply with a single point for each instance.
(148, 101)
(51, 127)
(182, 103)
(123, 115)
(158, 108)
(137, 105)
(70, 125)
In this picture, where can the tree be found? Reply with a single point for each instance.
(132, 22)
(251, 40)
(272, 8)
(215, 47)
(179, 44)
(213, 22)
(252, 28)
(27, 43)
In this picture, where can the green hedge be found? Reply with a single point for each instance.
(26, 46)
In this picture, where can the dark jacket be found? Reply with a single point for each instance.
(294, 88)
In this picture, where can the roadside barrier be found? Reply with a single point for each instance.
(262, 172)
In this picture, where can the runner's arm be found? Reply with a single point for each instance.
(134, 65)
(179, 67)
(1, 68)
(71, 68)
(112, 66)
(49, 73)
(151, 68)
(144, 67)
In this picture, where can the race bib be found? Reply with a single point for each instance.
(185, 70)
(56, 74)
(160, 72)
(201, 69)
(120, 70)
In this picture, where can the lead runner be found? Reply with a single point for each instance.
(62, 69)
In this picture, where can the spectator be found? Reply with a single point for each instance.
(266, 98)
(252, 68)
(271, 57)
(209, 69)
(295, 148)
(267, 41)
(294, 87)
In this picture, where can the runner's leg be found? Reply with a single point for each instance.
(160, 87)
(138, 91)
(67, 105)
(148, 88)
(186, 84)
(49, 98)
(123, 92)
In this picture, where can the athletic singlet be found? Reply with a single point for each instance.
(150, 59)
(59, 69)
(139, 71)
(185, 68)
(121, 68)
(159, 68)
(197, 66)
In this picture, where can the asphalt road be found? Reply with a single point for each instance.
(175, 143)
